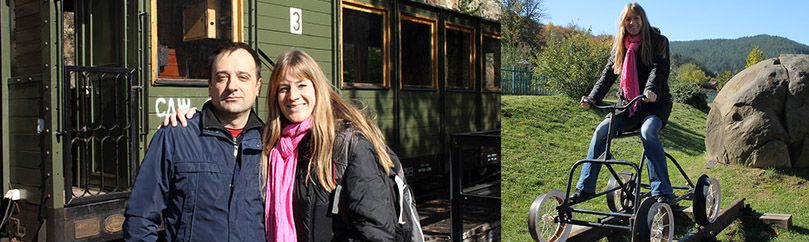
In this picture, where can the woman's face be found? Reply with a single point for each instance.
(296, 98)
(632, 23)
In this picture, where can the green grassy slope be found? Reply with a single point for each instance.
(543, 136)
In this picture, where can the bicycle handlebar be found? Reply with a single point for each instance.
(616, 106)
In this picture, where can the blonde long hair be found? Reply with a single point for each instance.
(646, 39)
(329, 107)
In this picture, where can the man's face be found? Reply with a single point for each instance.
(234, 85)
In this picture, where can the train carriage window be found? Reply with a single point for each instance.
(364, 51)
(459, 57)
(185, 32)
(491, 62)
(418, 54)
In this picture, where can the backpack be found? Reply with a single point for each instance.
(409, 226)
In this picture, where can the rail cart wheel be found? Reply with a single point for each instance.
(542, 224)
(654, 222)
(619, 200)
(707, 200)
(640, 229)
(661, 223)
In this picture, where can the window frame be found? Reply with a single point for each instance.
(497, 36)
(237, 24)
(433, 23)
(372, 9)
(472, 55)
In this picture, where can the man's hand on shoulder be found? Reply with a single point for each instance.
(181, 116)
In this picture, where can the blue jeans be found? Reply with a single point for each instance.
(655, 157)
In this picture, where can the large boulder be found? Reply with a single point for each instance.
(760, 118)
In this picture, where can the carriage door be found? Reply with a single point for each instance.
(100, 103)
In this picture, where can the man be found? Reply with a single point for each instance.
(204, 180)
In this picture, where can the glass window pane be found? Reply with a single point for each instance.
(417, 54)
(187, 33)
(491, 63)
(363, 48)
(459, 58)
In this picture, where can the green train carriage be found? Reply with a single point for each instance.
(86, 84)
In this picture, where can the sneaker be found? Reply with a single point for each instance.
(668, 199)
(580, 195)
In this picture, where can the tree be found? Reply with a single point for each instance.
(677, 60)
(521, 30)
(571, 65)
(723, 79)
(691, 73)
(755, 56)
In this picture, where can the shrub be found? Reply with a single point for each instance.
(690, 94)
(690, 72)
(573, 63)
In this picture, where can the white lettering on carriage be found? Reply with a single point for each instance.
(165, 106)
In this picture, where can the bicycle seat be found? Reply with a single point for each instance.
(616, 106)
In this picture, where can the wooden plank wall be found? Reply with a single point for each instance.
(274, 37)
(25, 98)
(26, 42)
(420, 110)
(25, 102)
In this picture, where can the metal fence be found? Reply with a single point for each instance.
(521, 81)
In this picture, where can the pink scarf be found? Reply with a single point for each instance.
(280, 223)
(629, 78)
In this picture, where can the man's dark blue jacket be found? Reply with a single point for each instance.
(203, 182)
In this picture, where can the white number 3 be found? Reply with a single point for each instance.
(295, 21)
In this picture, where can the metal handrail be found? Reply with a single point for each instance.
(87, 134)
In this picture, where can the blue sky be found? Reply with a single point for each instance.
(690, 19)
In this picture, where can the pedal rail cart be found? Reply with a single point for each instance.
(551, 216)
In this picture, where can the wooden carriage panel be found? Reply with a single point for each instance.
(274, 36)
(26, 42)
(26, 7)
(490, 110)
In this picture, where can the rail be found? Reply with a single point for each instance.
(479, 193)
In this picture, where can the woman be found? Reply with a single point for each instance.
(305, 118)
(640, 57)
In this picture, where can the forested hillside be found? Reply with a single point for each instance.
(716, 55)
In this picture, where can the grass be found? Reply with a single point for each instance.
(542, 136)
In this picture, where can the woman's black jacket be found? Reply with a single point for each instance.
(367, 210)
(653, 77)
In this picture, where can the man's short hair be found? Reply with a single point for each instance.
(230, 47)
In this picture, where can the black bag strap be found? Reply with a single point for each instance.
(340, 156)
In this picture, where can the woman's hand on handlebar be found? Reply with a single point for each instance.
(585, 102)
(650, 96)
(181, 115)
